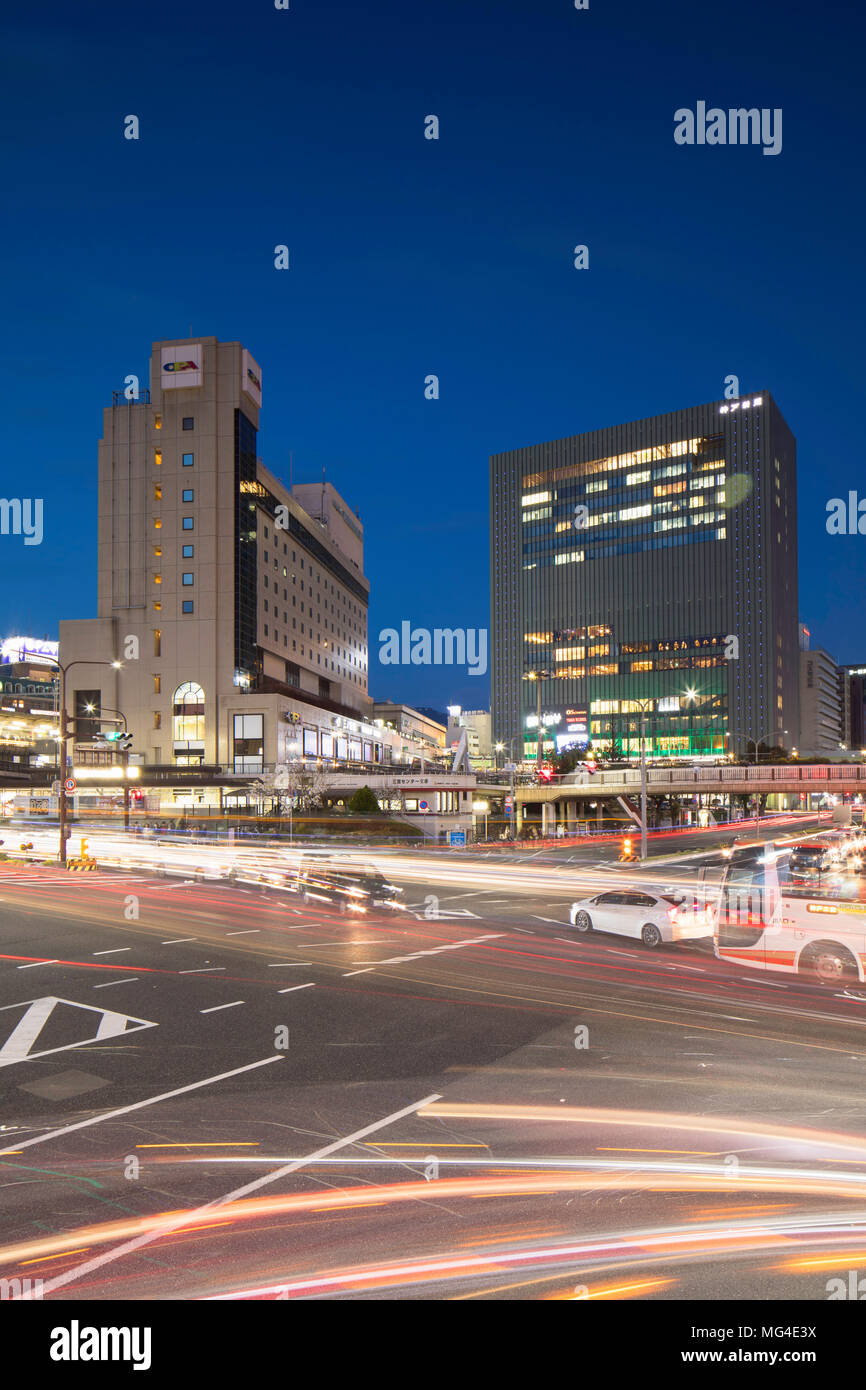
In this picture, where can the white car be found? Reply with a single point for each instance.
(652, 918)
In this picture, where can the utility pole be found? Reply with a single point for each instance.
(642, 784)
(64, 741)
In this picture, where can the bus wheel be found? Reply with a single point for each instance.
(828, 964)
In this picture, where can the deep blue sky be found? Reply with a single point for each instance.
(412, 256)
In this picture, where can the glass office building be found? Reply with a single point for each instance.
(648, 570)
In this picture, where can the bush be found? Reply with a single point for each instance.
(363, 802)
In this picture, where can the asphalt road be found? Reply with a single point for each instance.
(212, 1090)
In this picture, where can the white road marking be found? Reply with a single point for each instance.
(247, 931)
(215, 1007)
(177, 939)
(434, 950)
(34, 963)
(365, 971)
(166, 1228)
(17, 1047)
(138, 1104)
(116, 951)
(292, 988)
(557, 921)
(569, 941)
(124, 981)
(202, 970)
(524, 930)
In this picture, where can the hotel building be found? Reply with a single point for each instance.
(649, 568)
(237, 605)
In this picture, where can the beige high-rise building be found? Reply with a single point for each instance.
(237, 606)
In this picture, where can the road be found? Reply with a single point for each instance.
(212, 1090)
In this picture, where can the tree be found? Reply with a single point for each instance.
(363, 802)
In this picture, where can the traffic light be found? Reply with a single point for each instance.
(116, 736)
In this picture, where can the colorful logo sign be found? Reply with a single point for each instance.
(182, 366)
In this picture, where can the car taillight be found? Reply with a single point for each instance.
(708, 912)
(672, 914)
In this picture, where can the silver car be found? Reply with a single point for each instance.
(652, 918)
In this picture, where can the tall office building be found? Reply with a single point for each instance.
(648, 568)
(238, 606)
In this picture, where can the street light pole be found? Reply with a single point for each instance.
(124, 762)
(756, 742)
(643, 834)
(64, 742)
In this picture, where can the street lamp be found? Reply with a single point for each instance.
(64, 741)
(769, 734)
(500, 747)
(106, 709)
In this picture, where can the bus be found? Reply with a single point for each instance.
(768, 917)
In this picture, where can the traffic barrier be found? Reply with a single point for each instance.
(81, 866)
(628, 854)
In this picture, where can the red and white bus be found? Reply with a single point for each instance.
(810, 922)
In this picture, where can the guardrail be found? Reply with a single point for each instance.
(719, 776)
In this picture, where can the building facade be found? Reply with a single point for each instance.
(648, 571)
(476, 722)
(823, 703)
(236, 605)
(417, 730)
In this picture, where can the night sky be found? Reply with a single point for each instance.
(411, 256)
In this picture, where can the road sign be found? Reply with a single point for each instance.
(124, 742)
(423, 805)
(457, 838)
(70, 784)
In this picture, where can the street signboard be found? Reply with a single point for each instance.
(70, 784)
(423, 805)
(457, 838)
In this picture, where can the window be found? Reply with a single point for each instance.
(157, 550)
(187, 579)
(157, 685)
(187, 460)
(188, 713)
(157, 457)
(187, 606)
(186, 522)
(248, 742)
(157, 607)
(157, 524)
(188, 495)
(157, 642)
(187, 551)
(157, 579)
(157, 719)
(157, 422)
(188, 422)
